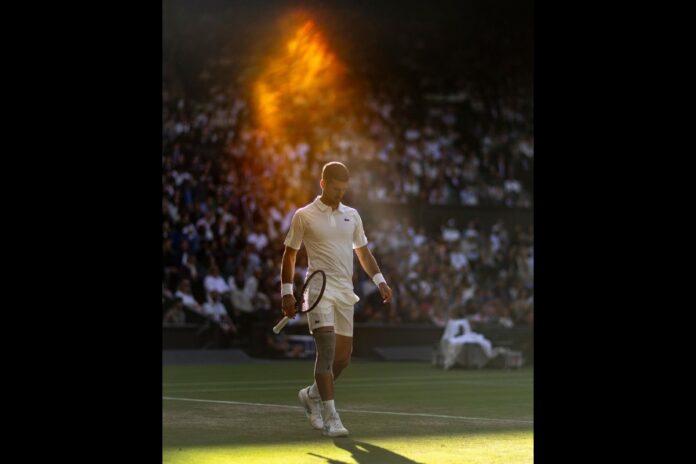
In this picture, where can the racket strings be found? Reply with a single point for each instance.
(312, 292)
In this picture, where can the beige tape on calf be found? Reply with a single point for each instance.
(326, 352)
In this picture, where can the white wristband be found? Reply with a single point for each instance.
(378, 278)
(286, 289)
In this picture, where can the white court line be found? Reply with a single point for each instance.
(347, 386)
(303, 379)
(352, 410)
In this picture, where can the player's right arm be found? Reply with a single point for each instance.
(293, 241)
(287, 274)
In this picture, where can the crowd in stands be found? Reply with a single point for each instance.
(229, 192)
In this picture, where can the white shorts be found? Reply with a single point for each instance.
(334, 310)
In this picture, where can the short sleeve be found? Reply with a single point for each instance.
(359, 238)
(296, 232)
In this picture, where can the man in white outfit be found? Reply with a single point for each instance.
(330, 231)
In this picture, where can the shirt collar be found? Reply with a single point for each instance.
(324, 207)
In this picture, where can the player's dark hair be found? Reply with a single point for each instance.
(335, 170)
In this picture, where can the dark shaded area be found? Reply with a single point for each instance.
(366, 453)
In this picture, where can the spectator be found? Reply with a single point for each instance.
(184, 292)
(216, 311)
(215, 283)
(175, 315)
(243, 291)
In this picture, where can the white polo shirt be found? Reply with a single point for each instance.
(330, 238)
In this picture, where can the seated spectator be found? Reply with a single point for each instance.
(215, 282)
(215, 310)
(184, 292)
(176, 315)
(243, 291)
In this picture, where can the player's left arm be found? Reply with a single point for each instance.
(369, 264)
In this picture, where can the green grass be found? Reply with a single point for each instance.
(491, 415)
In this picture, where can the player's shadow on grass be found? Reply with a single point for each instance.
(366, 453)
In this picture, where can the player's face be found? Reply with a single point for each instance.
(334, 190)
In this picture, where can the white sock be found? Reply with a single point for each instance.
(329, 408)
(314, 391)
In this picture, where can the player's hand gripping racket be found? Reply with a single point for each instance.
(312, 291)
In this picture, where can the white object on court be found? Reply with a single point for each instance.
(312, 408)
(333, 426)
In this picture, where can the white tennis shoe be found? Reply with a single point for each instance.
(333, 427)
(312, 408)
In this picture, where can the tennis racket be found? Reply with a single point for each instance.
(312, 291)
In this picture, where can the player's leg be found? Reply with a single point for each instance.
(325, 339)
(321, 322)
(319, 397)
(344, 337)
(321, 325)
(344, 350)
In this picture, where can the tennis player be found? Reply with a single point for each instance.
(330, 231)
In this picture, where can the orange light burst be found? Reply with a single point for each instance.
(300, 86)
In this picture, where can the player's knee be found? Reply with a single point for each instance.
(326, 352)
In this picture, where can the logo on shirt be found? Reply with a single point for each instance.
(346, 219)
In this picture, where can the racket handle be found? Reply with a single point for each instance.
(283, 322)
